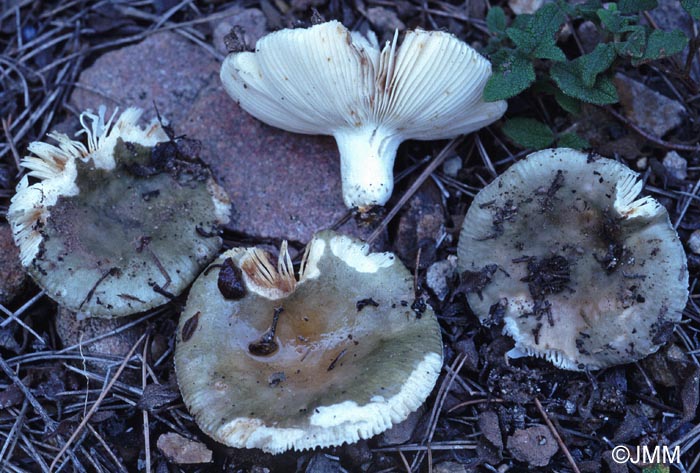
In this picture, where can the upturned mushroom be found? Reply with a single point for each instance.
(582, 272)
(120, 225)
(282, 363)
(327, 80)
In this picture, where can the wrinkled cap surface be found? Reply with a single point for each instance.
(111, 228)
(579, 270)
(352, 357)
(330, 81)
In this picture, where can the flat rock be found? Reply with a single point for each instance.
(676, 165)
(113, 344)
(451, 467)
(490, 429)
(403, 431)
(321, 463)
(420, 224)
(438, 275)
(252, 24)
(181, 450)
(282, 185)
(694, 242)
(534, 445)
(525, 6)
(652, 111)
(12, 275)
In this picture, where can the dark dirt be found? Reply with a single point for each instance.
(483, 415)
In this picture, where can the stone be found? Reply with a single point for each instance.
(676, 165)
(183, 451)
(282, 185)
(451, 166)
(403, 431)
(642, 163)
(647, 108)
(438, 275)
(12, 276)
(490, 429)
(669, 15)
(113, 348)
(420, 224)
(164, 69)
(589, 35)
(321, 463)
(251, 20)
(694, 242)
(451, 467)
(525, 6)
(384, 19)
(489, 446)
(534, 445)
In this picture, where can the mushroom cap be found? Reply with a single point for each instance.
(108, 222)
(353, 358)
(326, 80)
(582, 272)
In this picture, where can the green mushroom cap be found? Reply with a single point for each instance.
(333, 357)
(116, 227)
(578, 269)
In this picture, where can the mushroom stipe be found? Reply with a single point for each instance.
(327, 80)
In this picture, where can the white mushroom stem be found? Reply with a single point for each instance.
(326, 80)
(367, 157)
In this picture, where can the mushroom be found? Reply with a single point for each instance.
(333, 357)
(580, 271)
(326, 80)
(120, 225)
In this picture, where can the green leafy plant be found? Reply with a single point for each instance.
(526, 53)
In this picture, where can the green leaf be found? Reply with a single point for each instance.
(547, 20)
(588, 10)
(496, 20)
(692, 7)
(510, 78)
(534, 34)
(662, 44)
(635, 6)
(572, 140)
(656, 469)
(569, 104)
(567, 76)
(582, 79)
(612, 20)
(528, 133)
(523, 39)
(597, 61)
(546, 50)
(635, 44)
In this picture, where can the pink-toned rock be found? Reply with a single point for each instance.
(164, 68)
(282, 185)
(12, 275)
(251, 21)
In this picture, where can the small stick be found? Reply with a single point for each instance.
(11, 142)
(38, 408)
(654, 139)
(97, 403)
(561, 443)
(415, 186)
(146, 430)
